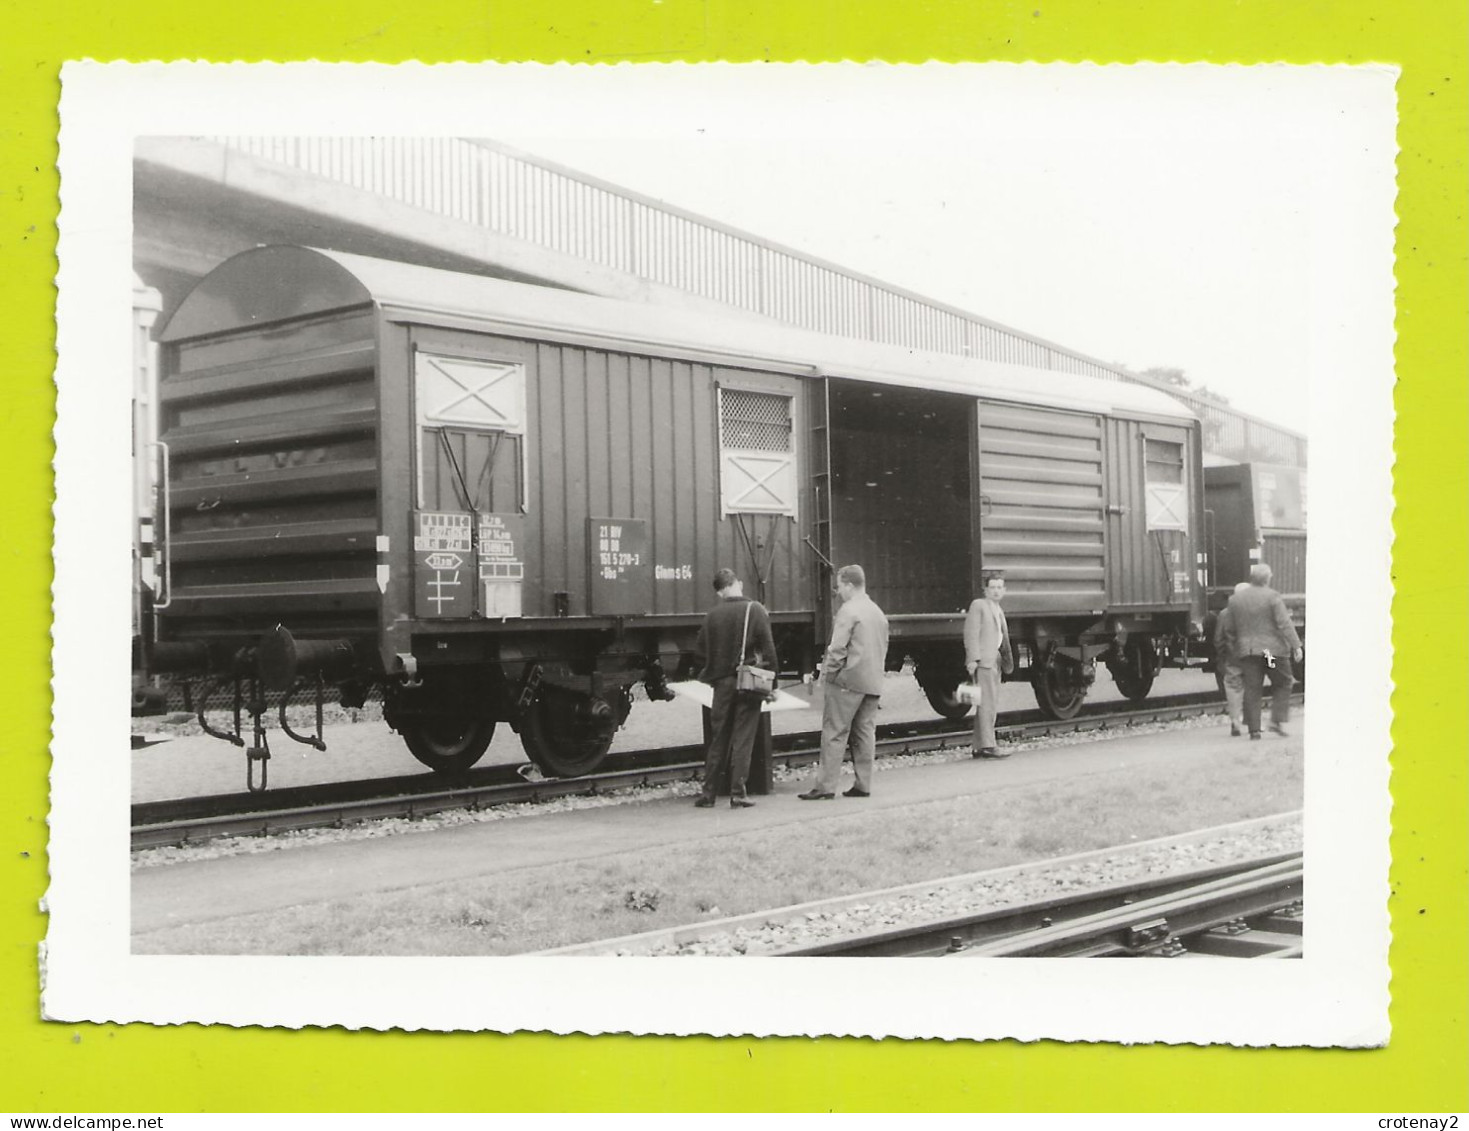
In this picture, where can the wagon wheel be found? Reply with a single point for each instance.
(1059, 686)
(447, 743)
(566, 733)
(940, 691)
(944, 701)
(1134, 672)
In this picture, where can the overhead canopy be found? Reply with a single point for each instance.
(271, 284)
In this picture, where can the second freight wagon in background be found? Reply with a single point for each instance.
(1256, 512)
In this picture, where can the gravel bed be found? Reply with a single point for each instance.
(1006, 888)
(398, 826)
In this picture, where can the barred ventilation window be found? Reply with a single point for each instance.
(754, 422)
(757, 459)
(1166, 491)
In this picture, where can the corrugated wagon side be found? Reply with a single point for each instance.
(1093, 519)
(268, 432)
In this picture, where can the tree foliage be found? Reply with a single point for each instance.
(1178, 378)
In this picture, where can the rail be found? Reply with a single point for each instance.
(1164, 917)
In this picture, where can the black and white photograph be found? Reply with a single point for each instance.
(526, 522)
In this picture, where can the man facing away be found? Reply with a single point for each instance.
(986, 655)
(733, 630)
(853, 671)
(1229, 673)
(1262, 640)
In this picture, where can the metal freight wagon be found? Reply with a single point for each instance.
(490, 502)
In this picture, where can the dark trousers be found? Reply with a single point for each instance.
(733, 720)
(1253, 671)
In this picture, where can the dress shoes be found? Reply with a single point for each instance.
(1254, 736)
(704, 803)
(816, 795)
(991, 752)
(855, 792)
(1276, 728)
(741, 803)
(1233, 731)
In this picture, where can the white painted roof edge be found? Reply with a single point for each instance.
(745, 338)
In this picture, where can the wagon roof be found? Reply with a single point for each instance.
(248, 290)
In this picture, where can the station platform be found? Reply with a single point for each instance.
(202, 890)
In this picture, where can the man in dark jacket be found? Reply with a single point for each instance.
(733, 630)
(1260, 636)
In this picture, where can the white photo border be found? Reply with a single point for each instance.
(1336, 995)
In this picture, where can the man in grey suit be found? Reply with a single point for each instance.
(853, 671)
(986, 655)
(1260, 637)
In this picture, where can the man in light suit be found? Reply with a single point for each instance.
(986, 655)
(1261, 638)
(853, 671)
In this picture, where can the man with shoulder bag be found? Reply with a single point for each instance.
(735, 631)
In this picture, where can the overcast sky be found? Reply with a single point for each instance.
(1156, 216)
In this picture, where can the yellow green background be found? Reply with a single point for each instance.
(101, 1068)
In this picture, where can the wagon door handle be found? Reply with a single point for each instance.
(1117, 509)
(164, 548)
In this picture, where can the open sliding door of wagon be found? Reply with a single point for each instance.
(900, 501)
(468, 510)
(1041, 508)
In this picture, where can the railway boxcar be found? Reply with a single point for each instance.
(492, 502)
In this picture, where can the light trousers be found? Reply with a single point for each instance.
(988, 682)
(1234, 692)
(849, 721)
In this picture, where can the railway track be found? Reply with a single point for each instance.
(1246, 910)
(333, 805)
